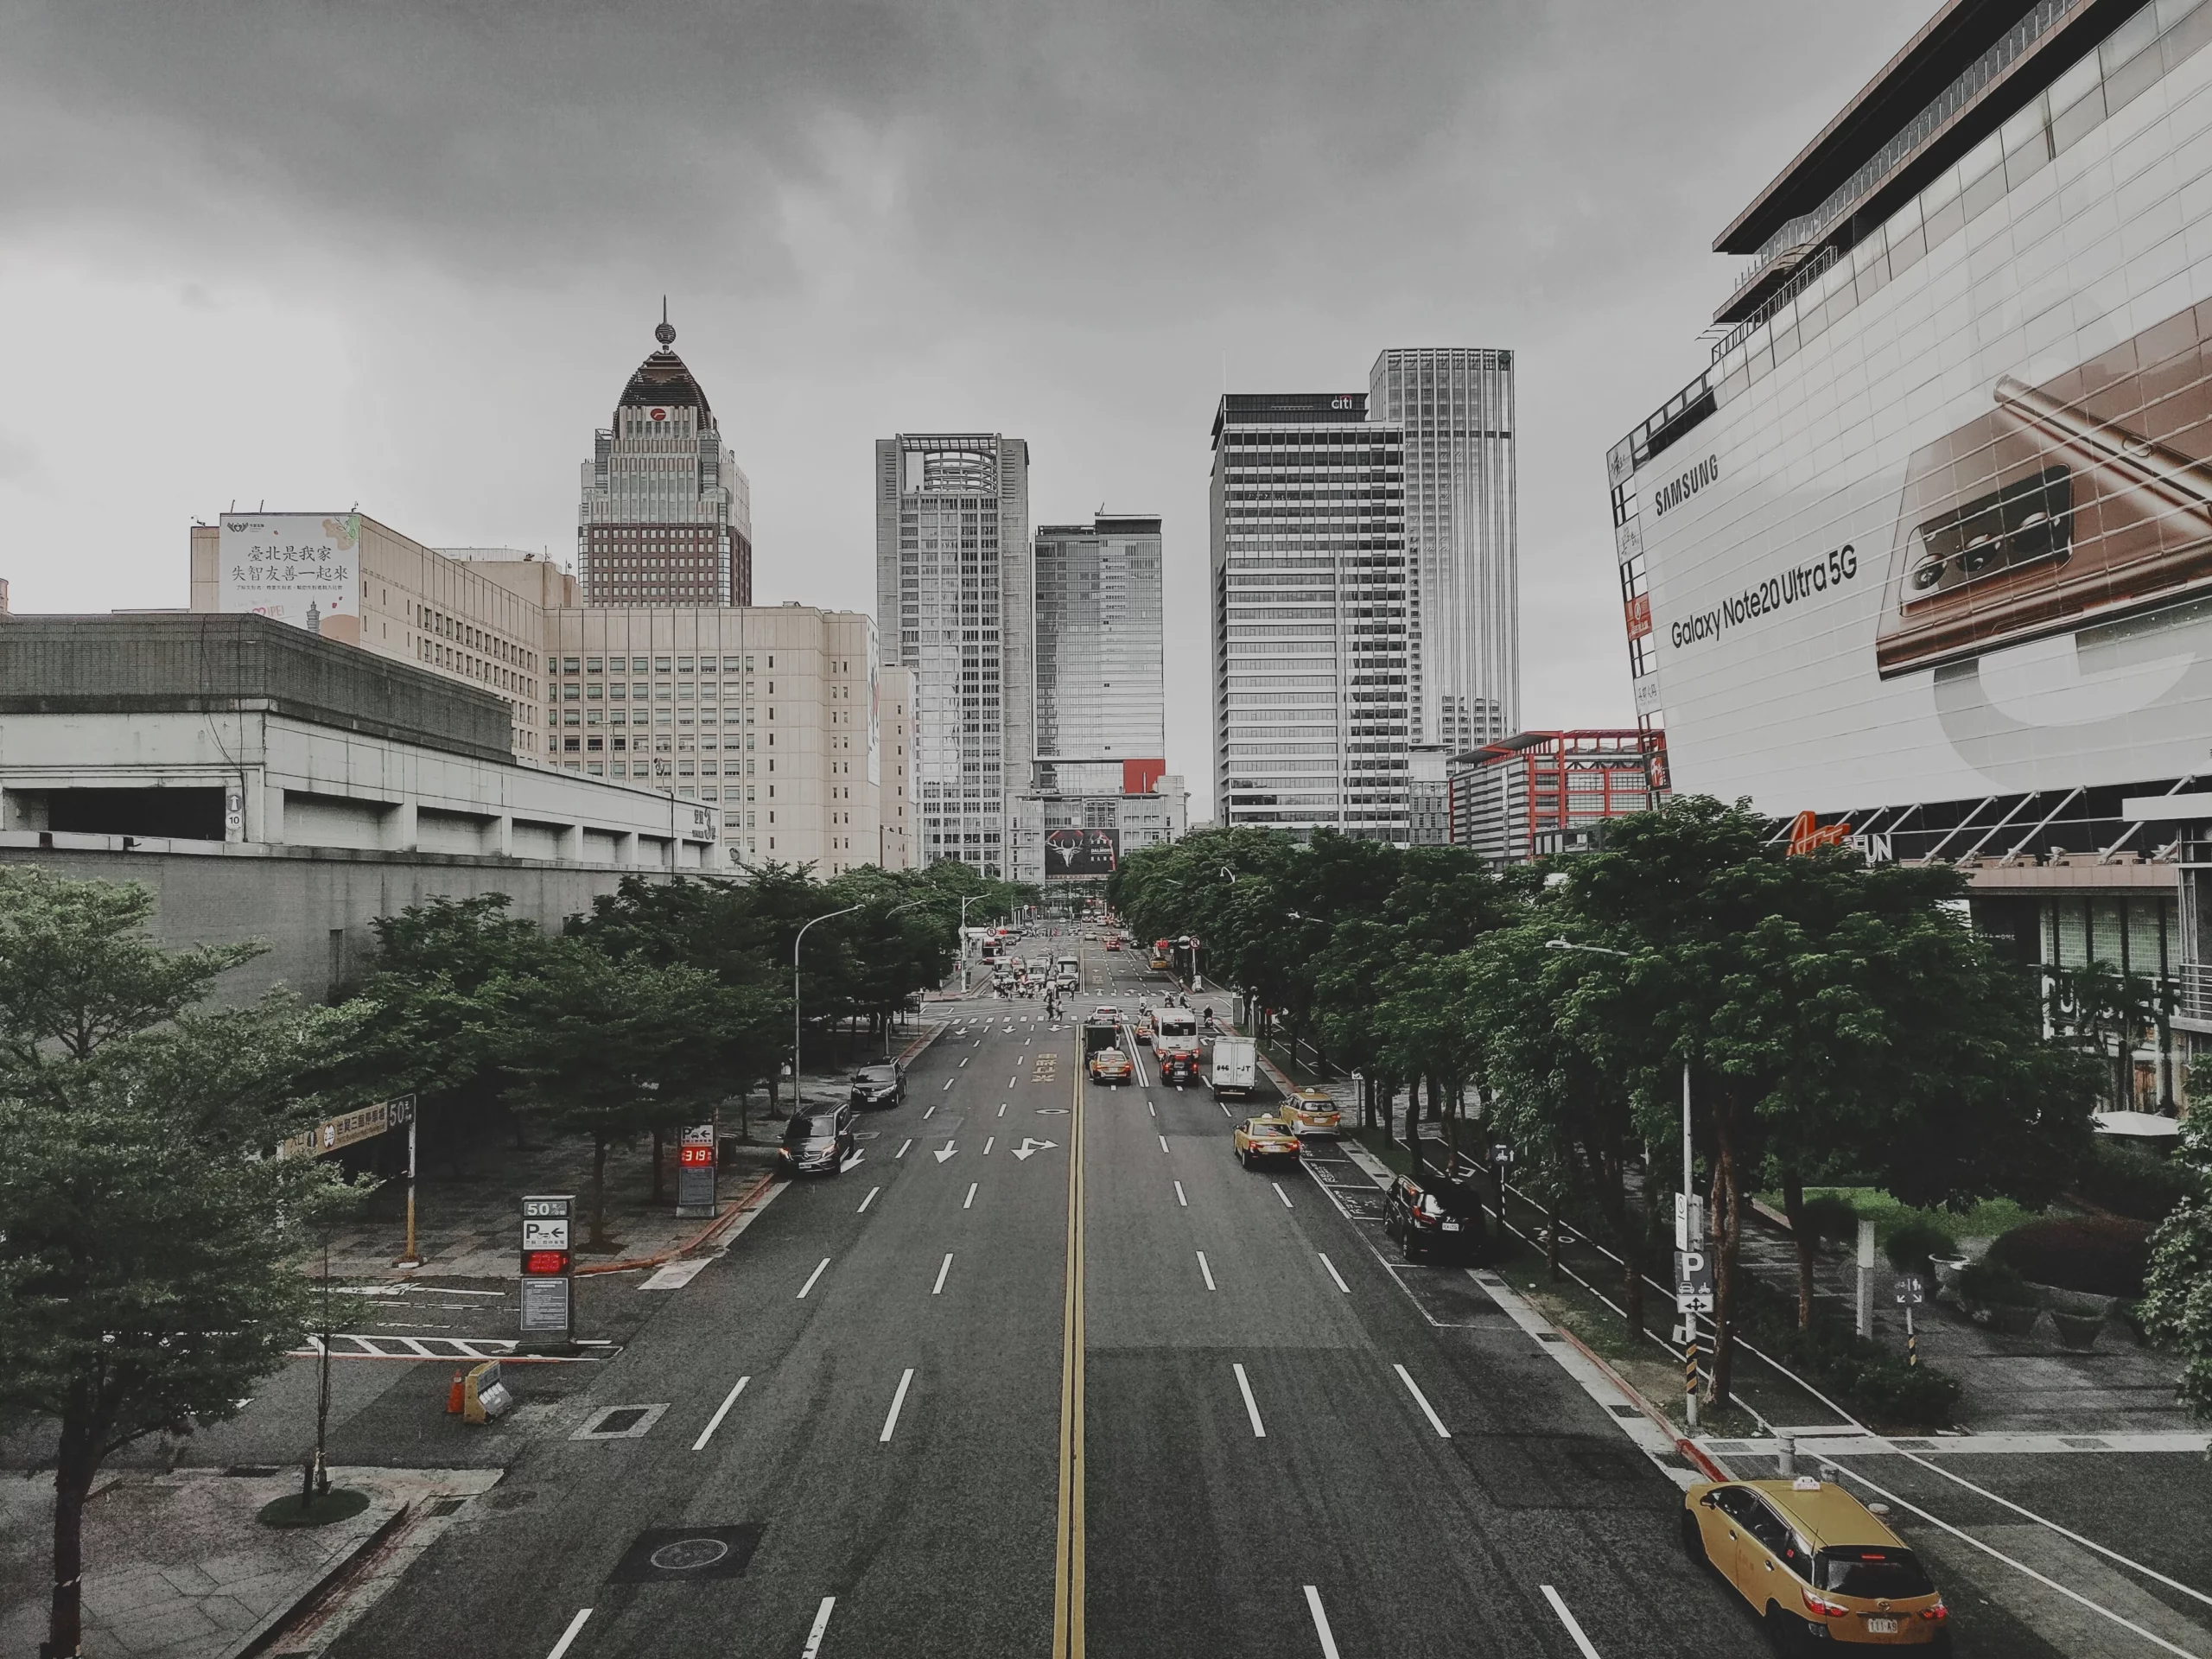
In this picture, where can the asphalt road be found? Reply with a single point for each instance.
(1254, 1474)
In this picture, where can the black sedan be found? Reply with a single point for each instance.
(880, 1086)
(817, 1143)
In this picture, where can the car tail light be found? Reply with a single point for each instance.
(1939, 1611)
(1816, 1602)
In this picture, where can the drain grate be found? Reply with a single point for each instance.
(619, 1422)
(677, 1554)
(2085, 1443)
(448, 1506)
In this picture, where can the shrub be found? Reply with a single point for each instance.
(1829, 1215)
(2104, 1256)
(1912, 1244)
(2138, 1184)
(1874, 1382)
(1994, 1284)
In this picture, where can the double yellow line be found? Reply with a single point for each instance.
(1067, 1572)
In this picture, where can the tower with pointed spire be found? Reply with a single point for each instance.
(666, 517)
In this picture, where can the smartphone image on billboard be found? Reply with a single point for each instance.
(2079, 500)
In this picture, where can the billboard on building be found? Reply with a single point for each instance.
(1072, 853)
(296, 567)
(1947, 530)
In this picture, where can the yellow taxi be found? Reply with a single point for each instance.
(1110, 1065)
(1265, 1137)
(1310, 1111)
(1816, 1564)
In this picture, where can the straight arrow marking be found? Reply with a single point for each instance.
(1029, 1145)
(943, 1151)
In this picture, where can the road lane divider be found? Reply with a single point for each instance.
(721, 1412)
(1179, 1199)
(901, 1153)
(1280, 1193)
(1163, 1143)
(1251, 1406)
(1333, 1274)
(1206, 1272)
(568, 1635)
(897, 1400)
(820, 1627)
(820, 1268)
(867, 1201)
(946, 1090)
(1582, 1642)
(969, 1202)
(1068, 1547)
(943, 1268)
(1321, 1624)
(1421, 1399)
(1001, 1109)
(989, 1142)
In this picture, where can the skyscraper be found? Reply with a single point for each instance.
(954, 602)
(1455, 406)
(1310, 599)
(1100, 696)
(667, 513)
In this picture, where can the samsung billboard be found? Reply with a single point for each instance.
(1946, 528)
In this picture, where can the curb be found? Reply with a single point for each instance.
(921, 1042)
(259, 1641)
(1689, 1449)
(736, 1208)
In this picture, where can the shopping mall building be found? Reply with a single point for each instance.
(1927, 549)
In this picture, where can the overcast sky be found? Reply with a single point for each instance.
(405, 255)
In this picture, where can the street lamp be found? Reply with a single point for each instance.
(795, 938)
(1689, 1209)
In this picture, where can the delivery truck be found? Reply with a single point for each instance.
(1236, 1069)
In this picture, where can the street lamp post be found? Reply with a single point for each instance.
(801, 934)
(1691, 1241)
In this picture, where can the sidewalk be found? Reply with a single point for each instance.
(177, 1567)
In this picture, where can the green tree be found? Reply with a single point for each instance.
(78, 971)
(2177, 1305)
(149, 1262)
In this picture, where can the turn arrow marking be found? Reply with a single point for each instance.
(943, 1153)
(1029, 1145)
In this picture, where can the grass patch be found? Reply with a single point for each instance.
(338, 1503)
(1990, 1219)
(1378, 1142)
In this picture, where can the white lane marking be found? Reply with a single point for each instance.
(1251, 1406)
(988, 1143)
(930, 1114)
(871, 1192)
(1001, 1109)
(1566, 1619)
(901, 1153)
(944, 1267)
(1163, 1143)
(1010, 1081)
(1225, 1112)
(1179, 1199)
(1280, 1193)
(1149, 1110)
(2021, 1567)
(1206, 1272)
(969, 1202)
(948, 1086)
(963, 1060)
(810, 1278)
(721, 1412)
(1333, 1274)
(1320, 1623)
(897, 1401)
(821, 1624)
(568, 1636)
(1419, 1399)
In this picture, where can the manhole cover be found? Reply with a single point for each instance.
(686, 1554)
(619, 1422)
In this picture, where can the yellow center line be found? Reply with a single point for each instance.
(1067, 1573)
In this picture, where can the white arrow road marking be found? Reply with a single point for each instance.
(1206, 1272)
(943, 1151)
(857, 1155)
(821, 1624)
(1566, 1619)
(901, 1153)
(897, 1401)
(1421, 1400)
(1251, 1406)
(944, 1267)
(1333, 1274)
(569, 1634)
(721, 1412)
(1179, 1199)
(1280, 1193)
(1321, 1623)
(1029, 1145)
(810, 1278)
(969, 1202)
(989, 1141)
(867, 1201)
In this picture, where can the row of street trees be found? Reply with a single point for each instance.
(1839, 1023)
(153, 1253)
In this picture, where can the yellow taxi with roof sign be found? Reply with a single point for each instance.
(1313, 1111)
(1266, 1137)
(1816, 1564)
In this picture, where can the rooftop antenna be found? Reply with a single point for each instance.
(664, 333)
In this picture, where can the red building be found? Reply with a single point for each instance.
(1544, 793)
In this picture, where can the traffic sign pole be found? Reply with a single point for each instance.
(409, 1258)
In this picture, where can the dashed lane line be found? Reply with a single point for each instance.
(721, 1412)
(576, 1627)
(871, 1192)
(944, 1267)
(1251, 1406)
(1206, 1272)
(819, 1269)
(1179, 1199)
(969, 1202)
(1419, 1399)
(1581, 1642)
(1333, 1274)
(1280, 1193)
(1321, 1624)
(897, 1400)
(821, 1625)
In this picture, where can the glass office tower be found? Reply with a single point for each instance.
(1099, 659)
(1455, 407)
(1310, 592)
(954, 602)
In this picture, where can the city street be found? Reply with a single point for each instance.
(1256, 1474)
